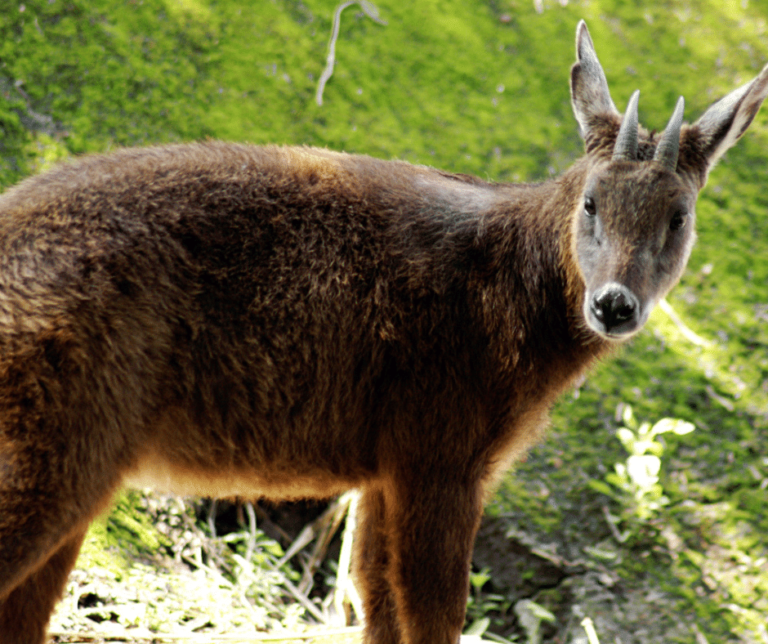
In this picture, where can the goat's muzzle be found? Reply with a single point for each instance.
(614, 311)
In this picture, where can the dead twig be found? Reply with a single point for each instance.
(303, 600)
(251, 531)
(344, 586)
(371, 11)
(325, 527)
(687, 333)
(718, 398)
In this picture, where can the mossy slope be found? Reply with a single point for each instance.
(478, 87)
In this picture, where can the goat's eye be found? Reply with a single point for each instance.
(589, 206)
(678, 220)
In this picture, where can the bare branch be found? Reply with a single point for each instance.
(343, 580)
(371, 11)
(688, 334)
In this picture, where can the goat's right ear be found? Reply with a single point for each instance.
(727, 119)
(589, 88)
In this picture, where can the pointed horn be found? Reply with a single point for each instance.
(626, 142)
(669, 145)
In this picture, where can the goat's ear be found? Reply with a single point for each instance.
(727, 119)
(589, 88)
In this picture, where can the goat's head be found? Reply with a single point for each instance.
(633, 228)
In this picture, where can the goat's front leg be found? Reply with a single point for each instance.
(429, 523)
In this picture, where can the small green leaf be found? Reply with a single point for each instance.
(602, 487)
(628, 416)
(682, 428)
(542, 613)
(479, 579)
(627, 438)
(644, 430)
(478, 627)
(600, 553)
(644, 470)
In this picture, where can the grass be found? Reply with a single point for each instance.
(480, 88)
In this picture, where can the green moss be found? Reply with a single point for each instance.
(479, 88)
(116, 539)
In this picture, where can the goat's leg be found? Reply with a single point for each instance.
(431, 528)
(371, 564)
(47, 500)
(25, 612)
(52, 483)
(69, 429)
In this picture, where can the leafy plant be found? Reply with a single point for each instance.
(480, 605)
(635, 482)
(531, 615)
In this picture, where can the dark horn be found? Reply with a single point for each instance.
(669, 145)
(626, 142)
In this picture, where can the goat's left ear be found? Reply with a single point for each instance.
(727, 119)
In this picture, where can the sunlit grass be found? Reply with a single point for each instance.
(479, 88)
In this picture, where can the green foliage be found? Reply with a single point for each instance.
(636, 481)
(127, 532)
(483, 608)
(479, 88)
(149, 557)
(531, 615)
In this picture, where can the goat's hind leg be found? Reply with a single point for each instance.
(59, 464)
(47, 500)
(25, 612)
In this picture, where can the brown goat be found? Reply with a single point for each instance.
(227, 320)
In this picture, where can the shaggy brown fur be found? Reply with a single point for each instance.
(228, 320)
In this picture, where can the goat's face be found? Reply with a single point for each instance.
(633, 234)
(633, 218)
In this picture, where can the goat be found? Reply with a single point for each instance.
(228, 320)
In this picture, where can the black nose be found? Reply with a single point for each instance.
(616, 308)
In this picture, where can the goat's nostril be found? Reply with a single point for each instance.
(597, 309)
(624, 311)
